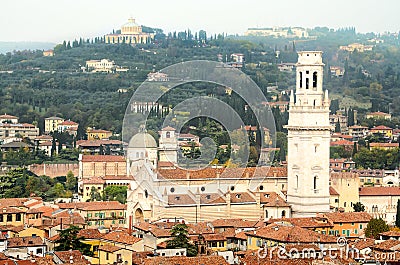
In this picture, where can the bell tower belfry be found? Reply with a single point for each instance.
(308, 139)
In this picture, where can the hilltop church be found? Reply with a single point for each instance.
(162, 190)
(130, 33)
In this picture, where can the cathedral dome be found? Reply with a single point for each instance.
(131, 23)
(131, 27)
(142, 140)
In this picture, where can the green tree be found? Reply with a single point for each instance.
(398, 214)
(115, 193)
(95, 195)
(69, 239)
(71, 181)
(180, 239)
(358, 207)
(375, 227)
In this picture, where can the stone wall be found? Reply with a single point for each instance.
(54, 170)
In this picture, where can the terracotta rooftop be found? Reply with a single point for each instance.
(332, 191)
(363, 243)
(272, 199)
(28, 241)
(65, 256)
(204, 260)
(93, 180)
(90, 233)
(235, 223)
(6, 116)
(156, 229)
(68, 122)
(391, 233)
(379, 191)
(349, 217)
(304, 222)
(93, 206)
(291, 234)
(388, 245)
(109, 248)
(381, 127)
(121, 237)
(102, 158)
(97, 143)
(342, 143)
(212, 173)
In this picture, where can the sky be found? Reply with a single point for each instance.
(58, 20)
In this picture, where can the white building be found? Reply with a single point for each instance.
(308, 139)
(103, 65)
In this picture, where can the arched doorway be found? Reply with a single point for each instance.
(139, 216)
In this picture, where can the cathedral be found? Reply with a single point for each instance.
(162, 190)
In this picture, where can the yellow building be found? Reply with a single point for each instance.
(346, 185)
(92, 237)
(33, 232)
(384, 146)
(94, 134)
(349, 224)
(118, 246)
(379, 115)
(131, 33)
(107, 214)
(12, 216)
(51, 124)
(95, 184)
(386, 131)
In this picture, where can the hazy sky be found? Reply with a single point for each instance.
(57, 20)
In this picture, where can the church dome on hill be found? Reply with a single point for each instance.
(131, 27)
(142, 140)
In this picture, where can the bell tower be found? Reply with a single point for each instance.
(308, 139)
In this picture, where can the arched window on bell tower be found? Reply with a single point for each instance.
(301, 79)
(315, 80)
(315, 184)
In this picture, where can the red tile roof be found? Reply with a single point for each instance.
(71, 256)
(93, 180)
(109, 248)
(68, 122)
(380, 128)
(388, 245)
(342, 143)
(90, 233)
(121, 237)
(379, 191)
(212, 173)
(204, 260)
(102, 158)
(93, 206)
(291, 234)
(27, 241)
(332, 191)
(305, 222)
(349, 217)
(235, 223)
